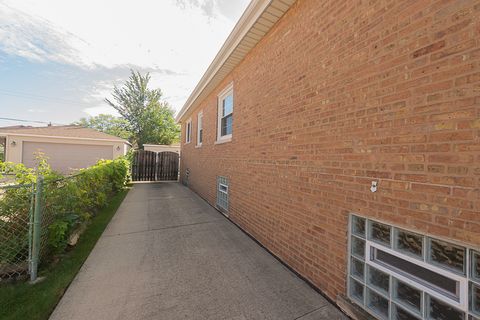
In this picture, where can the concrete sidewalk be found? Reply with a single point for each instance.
(167, 254)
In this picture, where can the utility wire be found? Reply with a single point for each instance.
(35, 95)
(41, 97)
(31, 121)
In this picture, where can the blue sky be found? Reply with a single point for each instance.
(60, 59)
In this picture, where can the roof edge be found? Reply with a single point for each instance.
(4, 134)
(249, 18)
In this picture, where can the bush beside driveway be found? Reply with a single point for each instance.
(22, 300)
(41, 219)
(54, 207)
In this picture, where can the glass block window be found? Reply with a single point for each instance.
(475, 267)
(400, 313)
(358, 248)
(475, 298)
(402, 275)
(379, 232)
(447, 255)
(358, 226)
(378, 304)
(437, 309)
(408, 297)
(222, 193)
(378, 280)
(357, 269)
(409, 243)
(357, 290)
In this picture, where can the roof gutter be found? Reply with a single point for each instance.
(4, 134)
(239, 42)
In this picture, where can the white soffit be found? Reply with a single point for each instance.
(256, 21)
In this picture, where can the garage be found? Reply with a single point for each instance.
(65, 157)
(67, 148)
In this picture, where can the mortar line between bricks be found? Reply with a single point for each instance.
(159, 229)
(310, 312)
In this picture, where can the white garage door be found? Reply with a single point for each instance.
(65, 157)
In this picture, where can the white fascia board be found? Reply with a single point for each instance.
(253, 12)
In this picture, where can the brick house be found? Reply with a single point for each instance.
(345, 137)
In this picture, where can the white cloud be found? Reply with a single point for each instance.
(209, 7)
(103, 109)
(149, 34)
(174, 87)
(99, 91)
(173, 39)
(34, 110)
(33, 38)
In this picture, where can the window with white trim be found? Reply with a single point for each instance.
(199, 128)
(401, 275)
(188, 133)
(225, 114)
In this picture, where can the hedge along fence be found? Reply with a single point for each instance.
(41, 212)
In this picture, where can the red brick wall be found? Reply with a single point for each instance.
(338, 94)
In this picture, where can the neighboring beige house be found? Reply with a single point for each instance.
(67, 147)
(162, 147)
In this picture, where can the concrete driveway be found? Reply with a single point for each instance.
(167, 254)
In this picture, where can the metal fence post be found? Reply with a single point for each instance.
(30, 227)
(37, 228)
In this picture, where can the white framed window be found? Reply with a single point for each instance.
(225, 114)
(188, 133)
(200, 128)
(399, 274)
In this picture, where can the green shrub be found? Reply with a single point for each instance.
(14, 219)
(68, 201)
(57, 233)
(75, 199)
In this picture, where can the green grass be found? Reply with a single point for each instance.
(36, 302)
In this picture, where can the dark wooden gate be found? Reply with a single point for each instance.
(153, 166)
(167, 166)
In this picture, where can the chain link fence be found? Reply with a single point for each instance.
(40, 220)
(24, 229)
(16, 214)
(54, 194)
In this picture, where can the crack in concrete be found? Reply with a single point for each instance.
(159, 229)
(310, 312)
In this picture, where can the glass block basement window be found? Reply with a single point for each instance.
(222, 193)
(401, 275)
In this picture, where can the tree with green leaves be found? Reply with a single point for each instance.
(150, 118)
(116, 126)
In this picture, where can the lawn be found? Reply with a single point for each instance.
(36, 302)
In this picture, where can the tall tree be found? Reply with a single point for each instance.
(115, 126)
(150, 118)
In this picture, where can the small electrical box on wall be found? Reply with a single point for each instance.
(374, 186)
